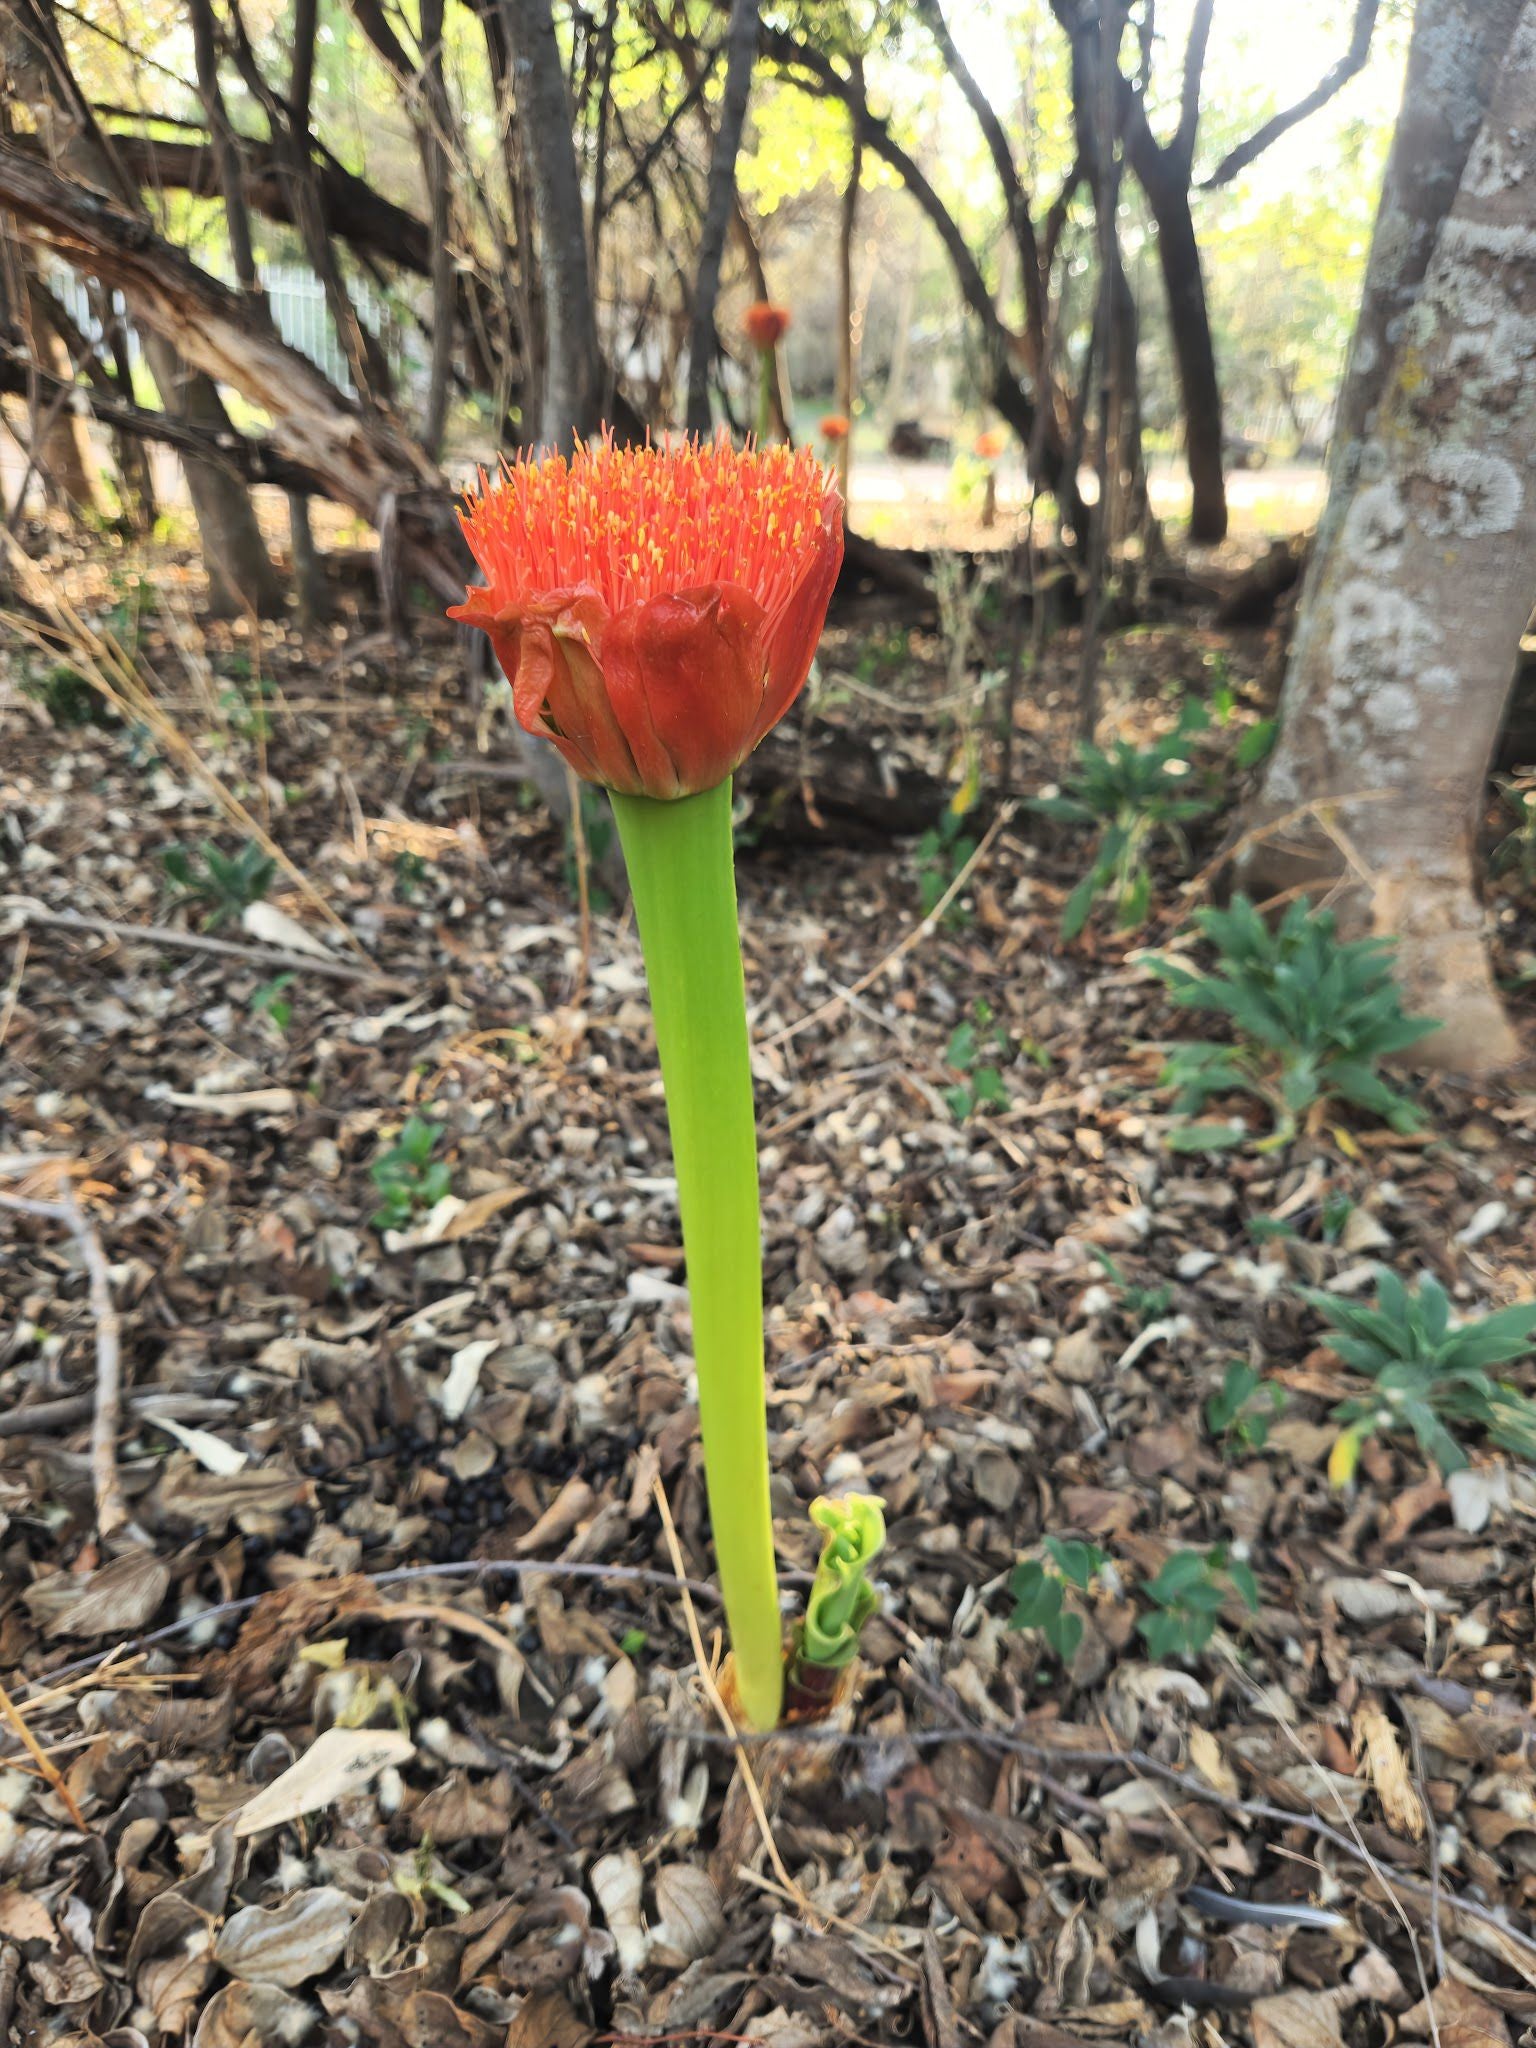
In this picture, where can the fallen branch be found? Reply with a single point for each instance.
(36, 916)
(111, 1509)
(914, 937)
(43, 1417)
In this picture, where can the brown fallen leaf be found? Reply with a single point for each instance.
(289, 1943)
(1462, 2017)
(116, 1601)
(545, 2020)
(1377, 1745)
(338, 1762)
(1297, 2019)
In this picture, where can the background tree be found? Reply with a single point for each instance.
(1422, 574)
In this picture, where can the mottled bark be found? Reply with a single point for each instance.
(1420, 584)
(240, 572)
(572, 380)
(741, 54)
(433, 135)
(847, 316)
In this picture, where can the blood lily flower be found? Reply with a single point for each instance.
(834, 427)
(655, 609)
(766, 324)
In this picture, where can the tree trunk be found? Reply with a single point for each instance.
(741, 55)
(240, 572)
(436, 169)
(66, 459)
(1194, 352)
(847, 319)
(1421, 579)
(572, 372)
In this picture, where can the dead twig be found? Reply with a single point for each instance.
(45, 1764)
(913, 938)
(36, 916)
(111, 1508)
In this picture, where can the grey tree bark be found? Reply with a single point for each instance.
(572, 382)
(741, 55)
(240, 572)
(1421, 579)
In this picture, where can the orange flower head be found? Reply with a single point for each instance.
(990, 445)
(834, 427)
(654, 609)
(766, 324)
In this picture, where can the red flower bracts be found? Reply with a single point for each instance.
(656, 610)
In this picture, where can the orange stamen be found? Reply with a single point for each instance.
(637, 523)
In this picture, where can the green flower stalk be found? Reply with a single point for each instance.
(656, 611)
(681, 871)
(766, 325)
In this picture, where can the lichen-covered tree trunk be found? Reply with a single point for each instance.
(1421, 580)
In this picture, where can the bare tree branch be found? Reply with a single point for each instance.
(1353, 60)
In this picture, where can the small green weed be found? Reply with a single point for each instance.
(1187, 1595)
(942, 852)
(1427, 1376)
(408, 1175)
(225, 883)
(272, 1004)
(1516, 851)
(1242, 1414)
(1131, 797)
(1139, 1305)
(1039, 1595)
(1314, 1016)
(975, 1052)
(410, 873)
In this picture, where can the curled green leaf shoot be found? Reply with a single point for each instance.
(841, 1597)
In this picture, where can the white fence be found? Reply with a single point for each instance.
(300, 314)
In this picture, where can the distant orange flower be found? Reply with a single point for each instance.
(766, 324)
(834, 427)
(991, 444)
(655, 609)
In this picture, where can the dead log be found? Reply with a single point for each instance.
(363, 459)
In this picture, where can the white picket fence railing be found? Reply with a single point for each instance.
(299, 313)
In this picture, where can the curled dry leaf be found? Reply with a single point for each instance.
(254, 2016)
(1298, 2019)
(289, 1943)
(690, 1918)
(616, 1883)
(339, 1761)
(118, 1600)
(1205, 1754)
(1377, 1745)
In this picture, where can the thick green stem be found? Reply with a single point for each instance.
(767, 370)
(682, 872)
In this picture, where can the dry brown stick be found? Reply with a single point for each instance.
(41, 1758)
(10, 1979)
(35, 914)
(914, 937)
(1316, 807)
(1432, 1841)
(111, 1508)
(152, 1403)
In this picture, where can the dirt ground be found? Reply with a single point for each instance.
(380, 1720)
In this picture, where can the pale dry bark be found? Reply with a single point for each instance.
(240, 572)
(1421, 580)
(741, 55)
(572, 393)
